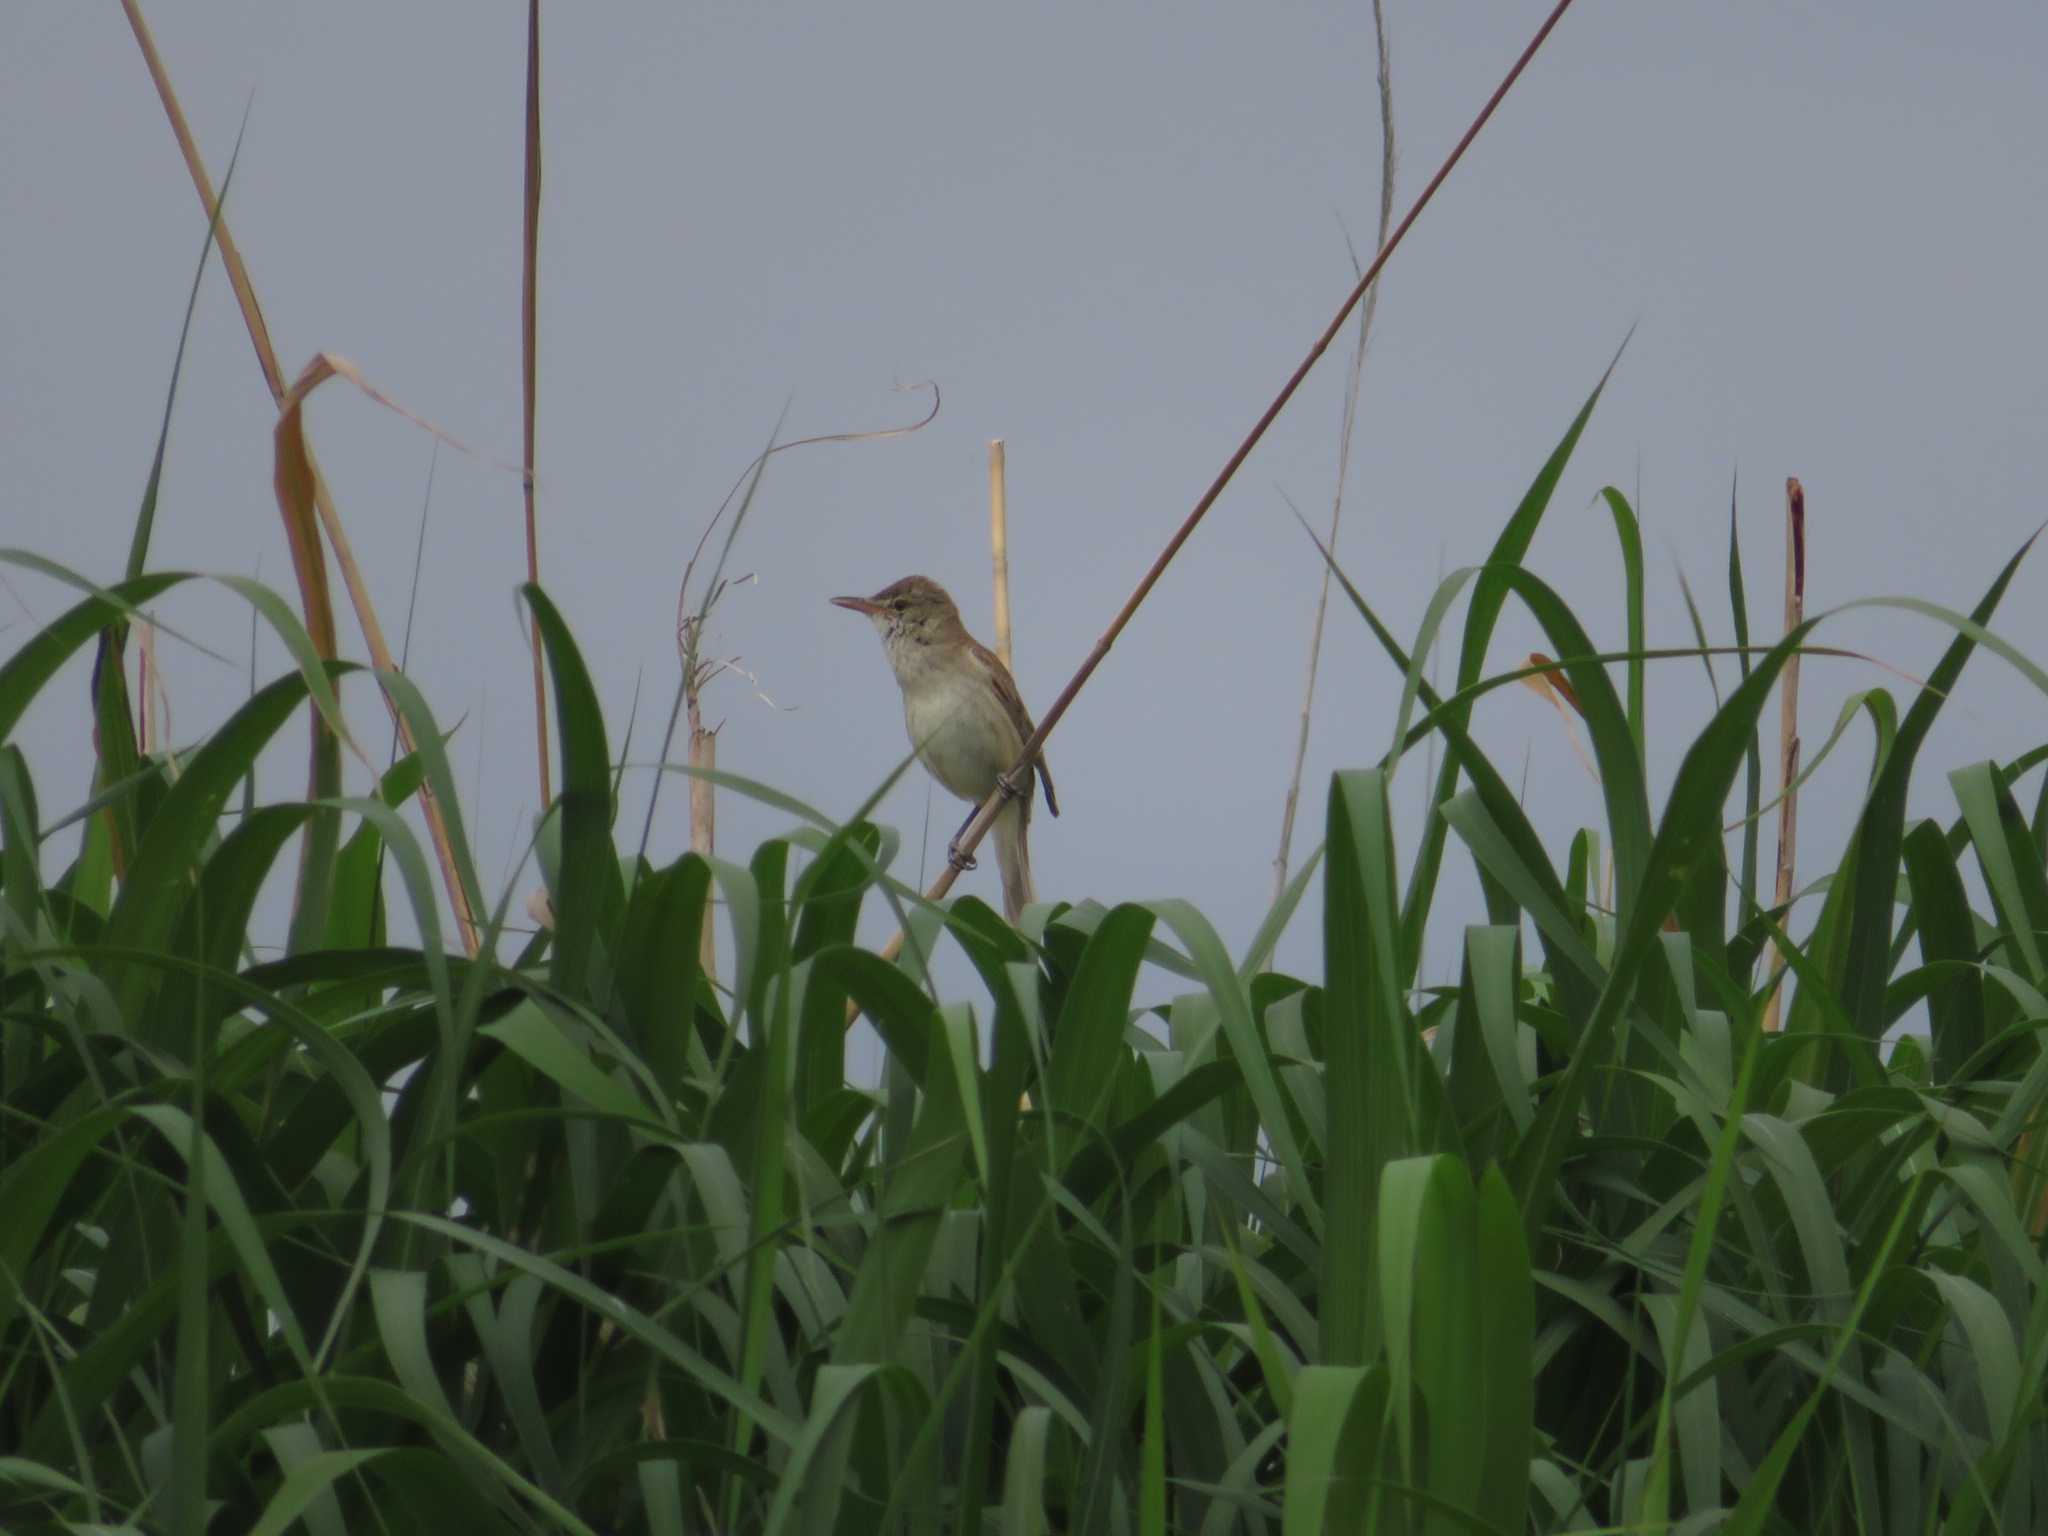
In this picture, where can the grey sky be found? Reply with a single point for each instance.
(1108, 233)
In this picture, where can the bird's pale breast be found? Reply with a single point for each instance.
(963, 735)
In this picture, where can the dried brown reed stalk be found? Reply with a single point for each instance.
(529, 327)
(1788, 732)
(303, 499)
(1372, 301)
(977, 829)
(302, 493)
(699, 668)
(153, 699)
(999, 554)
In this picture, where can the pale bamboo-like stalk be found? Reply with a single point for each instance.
(999, 554)
(1372, 300)
(306, 563)
(976, 829)
(1788, 732)
(999, 547)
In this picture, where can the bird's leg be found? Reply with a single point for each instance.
(1011, 790)
(961, 861)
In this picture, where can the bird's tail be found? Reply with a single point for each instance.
(1013, 859)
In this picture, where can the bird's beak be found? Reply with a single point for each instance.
(859, 605)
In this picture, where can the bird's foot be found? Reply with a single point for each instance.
(1012, 788)
(960, 861)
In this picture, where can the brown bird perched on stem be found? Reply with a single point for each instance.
(965, 718)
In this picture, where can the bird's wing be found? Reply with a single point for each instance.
(1006, 690)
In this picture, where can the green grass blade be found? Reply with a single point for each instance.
(1334, 1449)
(2012, 870)
(588, 894)
(1088, 1039)
(1505, 1384)
(309, 1481)
(1689, 834)
(1753, 1511)
(1628, 533)
(1738, 607)
(1488, 596)
(151, 896)
(1880, 831)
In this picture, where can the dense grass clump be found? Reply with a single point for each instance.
(580, 1238)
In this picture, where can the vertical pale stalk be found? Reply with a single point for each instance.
(999, 554)
(529, 316)
(1372, 299)
(999, 546)
(1788, 726)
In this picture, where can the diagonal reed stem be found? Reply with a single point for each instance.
(985, 818)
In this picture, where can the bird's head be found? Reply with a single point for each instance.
(915, 608)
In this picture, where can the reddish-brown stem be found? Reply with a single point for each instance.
(1788, 724)
(529, 313)
(977, 829)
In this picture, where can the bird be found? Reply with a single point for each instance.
(966, 719)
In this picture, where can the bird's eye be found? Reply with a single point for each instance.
(900, 604)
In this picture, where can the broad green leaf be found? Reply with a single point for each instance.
(1088, 1039)
(1628, 534)
(529, 1033)
(587, 897)
(152, 895)
(1334, 1449)
(308, 1481)
(1489, 595)
(1880, 831)
(1023, 1511)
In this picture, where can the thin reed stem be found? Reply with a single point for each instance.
(985, 818)
(529, 326)
(1372, 302)
(1788, 731)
